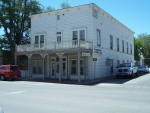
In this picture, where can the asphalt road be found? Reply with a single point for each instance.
(113, 96)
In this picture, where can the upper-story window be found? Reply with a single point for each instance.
(127, 47)
(111, 42)
(130, 48)
(58, 17)
(39, 40)
(59, 36)
(117, 44)
(98, 37)
(79, 34)
(122, 46)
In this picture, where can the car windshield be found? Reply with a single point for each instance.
(14, 68)
(125, 65)
(141, 66)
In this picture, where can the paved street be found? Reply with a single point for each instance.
(113, 96)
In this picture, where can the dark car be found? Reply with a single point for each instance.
(143, 69)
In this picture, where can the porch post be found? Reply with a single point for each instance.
(60, 65)
(48, 65)
(79, 77)
(29, 65)
(43, 56)
(15, 59)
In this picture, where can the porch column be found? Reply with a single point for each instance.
(60, 64)
(48, 65)
(15, 59)
(79, 77)
(43, 56)
(29, 65)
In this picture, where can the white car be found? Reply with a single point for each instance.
(126, 69)
(143, 69)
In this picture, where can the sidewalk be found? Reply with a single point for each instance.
(64, 81)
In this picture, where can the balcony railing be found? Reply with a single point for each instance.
(65, 45)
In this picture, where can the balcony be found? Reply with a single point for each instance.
(52, 46)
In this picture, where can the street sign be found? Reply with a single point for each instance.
(86, 54)
(94, 59)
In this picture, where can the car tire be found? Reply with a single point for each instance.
(137, 74)
(132, 75)
(2, 77)
(117, 76)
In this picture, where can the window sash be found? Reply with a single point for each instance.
(111, 42)
(98, 38)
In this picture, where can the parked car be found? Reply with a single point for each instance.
(126, 69)
(143, 69)
(9, 72)
(1, 111)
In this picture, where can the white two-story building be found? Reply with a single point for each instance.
(79, 43)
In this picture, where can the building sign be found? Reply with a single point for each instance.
(86, 54)
(97, 50)
(94, 59)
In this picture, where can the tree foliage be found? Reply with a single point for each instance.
(15, 20)
(145, 38)
(65, 5)
(139, 49)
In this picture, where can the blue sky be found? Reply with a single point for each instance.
(135, 14)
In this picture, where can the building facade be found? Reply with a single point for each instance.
(80, 43)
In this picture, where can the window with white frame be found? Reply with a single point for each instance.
(111, 42)
(74, 66)
(127, 47)
(130, 48)
(59, 36)
(79, 34)
(98, 37)
(122, 46)
(39, 40)
(117, 44)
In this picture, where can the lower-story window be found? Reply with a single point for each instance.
(74, 67)
(37, 66)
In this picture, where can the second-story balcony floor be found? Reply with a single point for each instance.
(53, 47)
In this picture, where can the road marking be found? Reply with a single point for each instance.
(15, 92)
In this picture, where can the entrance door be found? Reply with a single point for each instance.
(53, 71)
(55, 68)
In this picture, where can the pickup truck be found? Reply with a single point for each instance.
(126, 69)
(9, 72)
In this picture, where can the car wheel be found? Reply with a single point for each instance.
(137, 74)
(2, 77)
(117, 76)
(132, 75)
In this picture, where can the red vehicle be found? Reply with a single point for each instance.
(9, 72)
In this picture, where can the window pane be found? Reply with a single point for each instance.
(73, 66)
(111, 42)
(58, 38)
(75, 35)
(41, 38)
(36, 39)
(39, 63)
(82, 35)
(98, 37)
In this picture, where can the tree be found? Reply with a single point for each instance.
(145, 38)
(65, 5)
(139, 49)
(14, 18)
